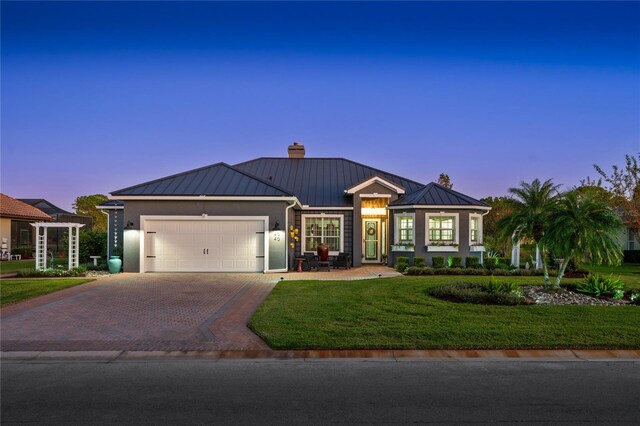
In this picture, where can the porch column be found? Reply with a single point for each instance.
(515, 255)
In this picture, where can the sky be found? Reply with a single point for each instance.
(100, 96)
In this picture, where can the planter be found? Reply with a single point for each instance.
(396, 247)
(115, 264)
(441, 248)
(323, 252)
(476, 248)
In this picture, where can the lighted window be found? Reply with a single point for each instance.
(442, 228)
(406, 228)
(474, 227)
(322, 229)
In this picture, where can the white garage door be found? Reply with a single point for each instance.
(204, 245)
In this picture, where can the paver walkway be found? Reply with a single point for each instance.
(151, 312)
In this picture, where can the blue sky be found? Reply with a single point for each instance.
(99, 96)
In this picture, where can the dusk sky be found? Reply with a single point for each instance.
(100, 96)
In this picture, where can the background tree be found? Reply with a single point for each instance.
(500, 207)
(582, 228)
(531, 208)
(445, 181)
(86, 205)
(624, 184)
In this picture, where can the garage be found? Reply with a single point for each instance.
(204, 245)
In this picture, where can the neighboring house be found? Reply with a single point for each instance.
(627, 239)
(55, 236)
(237, 218)
(15, 222)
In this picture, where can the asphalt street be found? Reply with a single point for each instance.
(320, 392)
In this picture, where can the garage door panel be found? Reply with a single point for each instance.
(204, 245)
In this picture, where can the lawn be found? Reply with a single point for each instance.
(19, 265)
(398, 313)
(14, 290)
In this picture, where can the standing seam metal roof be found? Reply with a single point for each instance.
(437, 195)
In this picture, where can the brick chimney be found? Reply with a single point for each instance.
(296, 150)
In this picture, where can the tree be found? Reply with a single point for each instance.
(500, 207)
(86, 205)
(582, 227)
(445, 181)
(531, 209)
(624, 184)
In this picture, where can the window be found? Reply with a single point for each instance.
(320, 229)
(474, 228)
(441, 228)
(404, 228)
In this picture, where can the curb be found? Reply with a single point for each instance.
(328, 355)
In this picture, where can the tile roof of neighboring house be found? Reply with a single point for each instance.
(44, 205)
(319, 181)
(216, 180)
(437, 195)
(15, 209)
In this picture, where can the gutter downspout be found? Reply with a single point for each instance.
(286, 228)
(108, 233)
(482, 253)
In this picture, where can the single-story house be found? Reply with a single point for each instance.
(55, 236)
(15, 223)
(241, 217)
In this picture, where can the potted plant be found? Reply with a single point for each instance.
(323, 252)
(115, 262)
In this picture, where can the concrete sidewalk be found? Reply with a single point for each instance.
(319, 355)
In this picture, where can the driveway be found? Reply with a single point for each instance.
(146, 312)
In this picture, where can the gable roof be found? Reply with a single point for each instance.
(215, 180)
(12, 208)
(319, 182)
(437, 195)
(374, 179)
(44, 205)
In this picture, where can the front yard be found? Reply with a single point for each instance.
(16, 290)
(398, 313)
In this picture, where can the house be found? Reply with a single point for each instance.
(55, 236)
(15, 219)
(239, 218)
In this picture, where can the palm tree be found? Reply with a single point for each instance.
(531, 208)
(582, 227)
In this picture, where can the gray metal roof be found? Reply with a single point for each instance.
(437, 195)
(217, 179)
(111, 203)
(319, 182)
(44, 205)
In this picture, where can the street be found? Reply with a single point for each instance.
(320, 392)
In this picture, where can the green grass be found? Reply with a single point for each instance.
(14, 290)
(398, 313)
(23, 265)
(629, 273)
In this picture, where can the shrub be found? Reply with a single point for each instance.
(23, 251)
(504, 262)
(437, 261)
(634, 297)
(490, 263)
(420, 270)
(454, 262)
(600, 286)
(475, 293)
(472, 262)
(60, 271)
(475, 271)
(92, 243)
(418, 261)
(402, 263)
(632, 256)
(495, 286)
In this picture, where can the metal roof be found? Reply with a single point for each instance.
(216, 180)
(319, 182)
(437, 195)
(111, 203)
(44, 205)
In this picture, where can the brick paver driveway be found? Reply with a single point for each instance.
(141, 312)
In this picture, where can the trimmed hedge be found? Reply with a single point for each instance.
(437, 261)
(475, 293)
(417, 270)
(418, 261)
(455, 262)
(472, 262)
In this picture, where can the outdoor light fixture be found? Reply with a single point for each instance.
(276, 227)
(129, 225)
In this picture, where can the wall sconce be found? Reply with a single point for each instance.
(129, 225)
(276, 227)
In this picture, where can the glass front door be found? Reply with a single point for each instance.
(371, 240)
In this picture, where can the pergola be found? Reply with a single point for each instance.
(41, 242)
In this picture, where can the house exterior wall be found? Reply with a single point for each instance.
(348, 228)
(133, 209)
(420, 250)
(627, 240)
(115, 229)
(5, 231)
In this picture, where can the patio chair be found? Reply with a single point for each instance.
(343, 260)
(311, 260)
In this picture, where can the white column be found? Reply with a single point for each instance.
(76, 253)
(515, 255)
(38, 261)
(69, 259)
(538, 258)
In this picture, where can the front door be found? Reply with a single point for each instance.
(371, 229)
